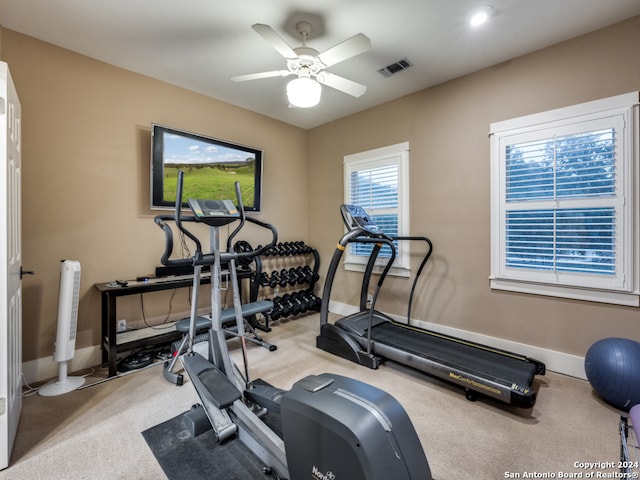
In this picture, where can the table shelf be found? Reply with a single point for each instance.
(114, 342)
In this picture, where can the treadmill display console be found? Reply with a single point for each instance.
(214, 212)
(356, 217)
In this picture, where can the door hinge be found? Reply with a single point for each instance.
(2, 102)
(3, 405)
(25, 272)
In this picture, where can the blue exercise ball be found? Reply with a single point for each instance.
(612, 366)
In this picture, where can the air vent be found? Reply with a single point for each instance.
(394, 68)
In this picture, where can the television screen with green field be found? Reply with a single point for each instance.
(211, 168)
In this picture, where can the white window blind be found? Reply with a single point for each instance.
(376, 190)
(562, 219)
(377, 180)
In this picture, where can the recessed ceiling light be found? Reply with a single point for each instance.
(481, 15)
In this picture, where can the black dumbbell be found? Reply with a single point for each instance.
(297, 304)
(304, 248)
(275, 313)
(300, 247)
(300, 275)
(287, 305)
(315, 302)
(284, 277)
(287, 301)
(307, 273)
(311, 275)
(263, 279)
(286, 248)
(274, 279)
(293, 276)
(304, 300)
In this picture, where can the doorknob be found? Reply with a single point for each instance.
(25, 272)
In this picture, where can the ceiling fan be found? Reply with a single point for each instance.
(308, 65)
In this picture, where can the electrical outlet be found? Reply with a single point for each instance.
(122, 325)
(369, 299)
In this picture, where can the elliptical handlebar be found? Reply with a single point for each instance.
(178, 215)
(198, 257)
(165, 259)
(242, 217)
(232, 255)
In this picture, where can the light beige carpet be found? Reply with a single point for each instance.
(95, 433)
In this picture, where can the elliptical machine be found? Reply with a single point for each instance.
(333, 427)
(218, 214)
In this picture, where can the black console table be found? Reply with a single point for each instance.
(109, 293)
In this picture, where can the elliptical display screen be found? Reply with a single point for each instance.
(214, 212)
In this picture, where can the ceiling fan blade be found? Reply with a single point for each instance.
(340, 83)
(276, 41)
(351, 47)
(257, 76)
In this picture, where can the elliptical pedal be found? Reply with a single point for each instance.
(219, 390)
(216, 392)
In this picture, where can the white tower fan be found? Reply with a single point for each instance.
(64, 347)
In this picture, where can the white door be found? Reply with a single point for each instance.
(10, 266)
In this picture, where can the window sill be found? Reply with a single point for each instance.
(600, 296)
(395, 271)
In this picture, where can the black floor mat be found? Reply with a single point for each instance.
(183, 457)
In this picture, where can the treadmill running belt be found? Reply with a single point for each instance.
(485, 363)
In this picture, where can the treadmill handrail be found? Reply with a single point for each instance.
(356, 235)
(366, 276)
(371, 264)
(359, 235)
(422, 264)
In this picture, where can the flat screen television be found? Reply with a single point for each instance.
(211, 168)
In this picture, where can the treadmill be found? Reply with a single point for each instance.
(370, 337)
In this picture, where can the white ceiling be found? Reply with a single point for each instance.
(200, 44)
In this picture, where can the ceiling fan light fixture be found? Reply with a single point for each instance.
(481, 15)
(304, 92)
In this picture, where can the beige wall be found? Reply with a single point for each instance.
(85, 182)
(86, 150)
(447, 129)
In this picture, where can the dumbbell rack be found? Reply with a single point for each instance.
(286, 274)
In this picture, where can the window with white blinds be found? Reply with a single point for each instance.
(377, 180)
(563, 222)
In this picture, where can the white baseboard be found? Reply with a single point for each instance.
(555, 361)
(45, 368)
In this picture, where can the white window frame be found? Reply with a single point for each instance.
(397, 154)
(623, 288)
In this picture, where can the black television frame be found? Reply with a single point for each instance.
(158, 135)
